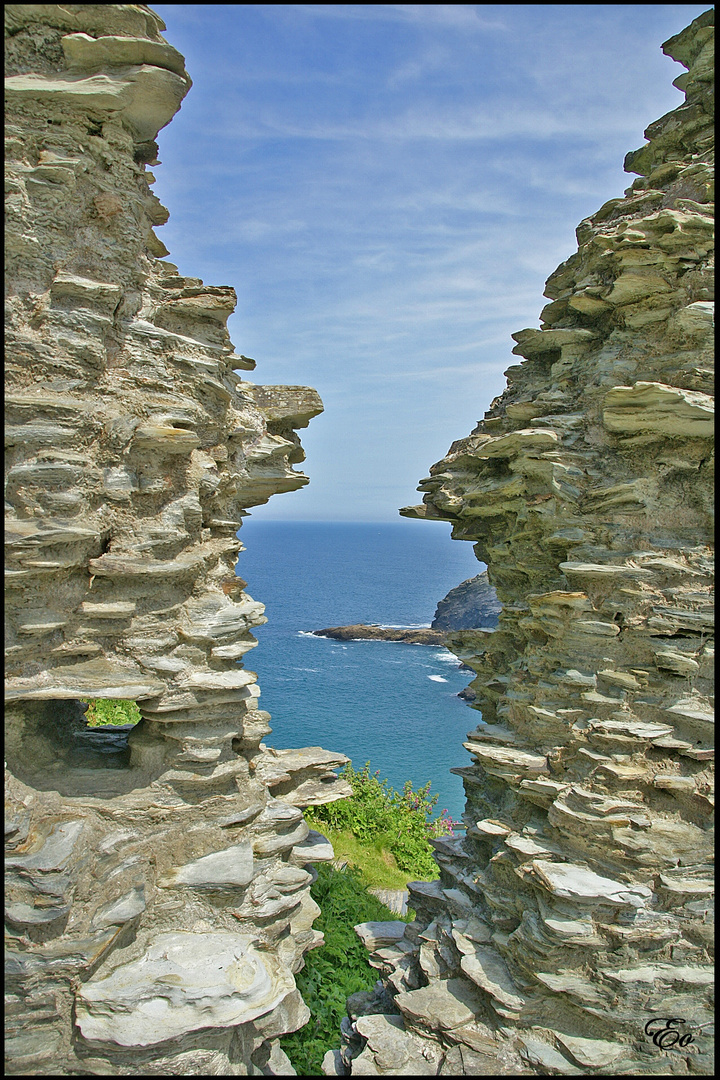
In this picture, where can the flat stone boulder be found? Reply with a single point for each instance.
(394, 899)
(55, 852)
(391, 1050)
(120, 911)
(569, 881)
(64, 956)
(100, 678)
(314, 848)
(183, 982)
(376, 935)
(279, 766)
(528, 440)
(24, 915)
(539, 1053)
(662, 973)
(634, 729)
(441, 1006)
(219, 680)
(489, 971)
(231, 867)
(593, 1053)
(85, 53)
(508, 757)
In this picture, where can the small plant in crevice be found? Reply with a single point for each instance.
(102, 712)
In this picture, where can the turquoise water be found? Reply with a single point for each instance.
(393, 704)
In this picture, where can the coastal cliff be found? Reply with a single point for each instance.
(577, 907)
(157, 889)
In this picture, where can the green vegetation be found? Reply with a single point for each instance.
(337, 969)
(383, 819)
(378, 865)
(104, 711)
(385, 836)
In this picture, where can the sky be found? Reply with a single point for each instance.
(388, 187)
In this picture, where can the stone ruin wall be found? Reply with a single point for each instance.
(157, 899)
(578, 905)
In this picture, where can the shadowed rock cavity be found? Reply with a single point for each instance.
(157, 896)
(577, 907)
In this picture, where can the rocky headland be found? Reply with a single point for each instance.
(577, 908)
(362, 632)
(472, 604)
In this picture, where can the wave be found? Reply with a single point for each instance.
(402, 626)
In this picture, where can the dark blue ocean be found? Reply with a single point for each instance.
(391, 703)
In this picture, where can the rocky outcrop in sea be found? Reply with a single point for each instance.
(571, 929)
(362, 632)
(157, 877)
(470, 605)
(473, 603)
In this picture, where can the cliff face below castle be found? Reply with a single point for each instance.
(157, 899)
(577, 907)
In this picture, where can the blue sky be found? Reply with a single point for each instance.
(388, 187)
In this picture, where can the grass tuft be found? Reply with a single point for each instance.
(103, 712)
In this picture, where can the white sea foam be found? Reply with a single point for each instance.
(447, 657)
(402, 626)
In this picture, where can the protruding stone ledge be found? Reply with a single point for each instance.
(85, 53)
(145, 97)
(291, 405)
(663, 410)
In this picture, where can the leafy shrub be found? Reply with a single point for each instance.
(402, 823)
(337, 969)
(104, 711)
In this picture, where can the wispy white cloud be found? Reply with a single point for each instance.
(454, 16)
(428, 62)
(465, 123)
(438, 371)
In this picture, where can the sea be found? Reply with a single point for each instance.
(393, 704)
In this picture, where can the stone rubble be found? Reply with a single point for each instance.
(157, 903)
(577, 906)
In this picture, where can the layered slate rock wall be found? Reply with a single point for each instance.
(577, 907)
(157, 885)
